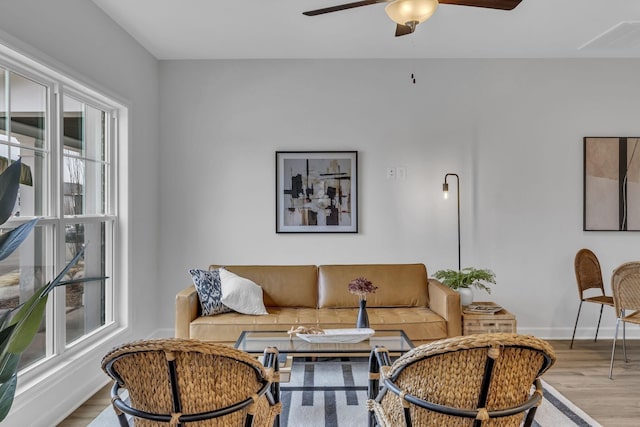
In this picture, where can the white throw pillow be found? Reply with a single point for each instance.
(240, 294)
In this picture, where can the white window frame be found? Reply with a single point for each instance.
(116, 299)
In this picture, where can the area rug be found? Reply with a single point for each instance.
(339, 396)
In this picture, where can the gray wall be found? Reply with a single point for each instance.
(512, 130)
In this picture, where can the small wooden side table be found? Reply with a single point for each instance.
(502, 321)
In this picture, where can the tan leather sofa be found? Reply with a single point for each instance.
(309, 295)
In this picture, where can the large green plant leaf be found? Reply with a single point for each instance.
(5, 334)
(28, 325)
(23, 310)
(4, 318)
(7, 392)
(9, 184)
(9, 365)
(10, 240)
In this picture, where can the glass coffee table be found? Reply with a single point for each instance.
(254, 342)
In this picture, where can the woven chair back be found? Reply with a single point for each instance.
(451, 373)
(588, 272)
(207, 377)
(625, 284)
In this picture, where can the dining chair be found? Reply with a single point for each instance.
(474, 380)
(590, 285)
(625, 283)
(185, 382)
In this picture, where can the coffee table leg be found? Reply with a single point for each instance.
(271, 360)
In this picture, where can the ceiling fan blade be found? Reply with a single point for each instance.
(343, 7)
(403, 30)
(489, 4)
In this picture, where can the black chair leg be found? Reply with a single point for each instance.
(374, 383)
(576, 325)
(530, 416)
(599, 319)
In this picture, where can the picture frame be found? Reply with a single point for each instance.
(611, 182)
(316, 191)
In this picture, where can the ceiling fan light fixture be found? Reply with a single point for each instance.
(405, 11)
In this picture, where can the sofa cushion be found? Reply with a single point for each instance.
(208, 286)
(228, 327)
(241, 294)
(283, 285)
(419, 323)
(399, 285)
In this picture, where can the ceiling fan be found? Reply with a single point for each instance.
(409, 13)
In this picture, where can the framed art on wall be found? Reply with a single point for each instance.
(316, 192)
(611, 184)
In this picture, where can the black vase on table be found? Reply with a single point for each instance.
(363, 318)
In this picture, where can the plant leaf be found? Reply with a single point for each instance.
(55, 282)
(27, 326)
(9, 366)
(4, 318)
(7, 392)
(10, 240)
(81, 280)
(9, 184)
(23, 310)
(5, 334)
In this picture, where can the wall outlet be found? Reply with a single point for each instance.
(391, 173)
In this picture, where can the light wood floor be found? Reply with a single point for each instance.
(90, 409)
(581, 375)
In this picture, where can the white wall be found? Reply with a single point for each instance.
(76, 38)
(512, 130)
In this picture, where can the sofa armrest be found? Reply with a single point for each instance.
(446, 302)
(187, 309)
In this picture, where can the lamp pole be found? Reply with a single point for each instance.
(445, 189)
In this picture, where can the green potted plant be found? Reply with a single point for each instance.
(464, 279)
(19, 325)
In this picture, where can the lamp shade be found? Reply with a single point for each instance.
(405, 11)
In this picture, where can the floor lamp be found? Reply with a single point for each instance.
(445, 189)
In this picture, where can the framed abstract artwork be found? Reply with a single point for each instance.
(316, 192)
(611, 184)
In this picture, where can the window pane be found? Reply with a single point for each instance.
(18, 138)
(21, 274)
(85, 302)
(84, 155)
(83, 187)
(84, 130)
(27, 107)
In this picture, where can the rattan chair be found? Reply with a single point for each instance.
(176, 381)
(625, 283)
(589, 276)
(475, 380)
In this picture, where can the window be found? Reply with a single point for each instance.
(66, 136)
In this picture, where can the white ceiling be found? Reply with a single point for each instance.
(215, 29)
